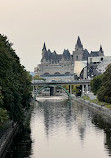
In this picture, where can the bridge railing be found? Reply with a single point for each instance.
(37, 82)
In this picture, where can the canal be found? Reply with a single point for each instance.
(63, 129)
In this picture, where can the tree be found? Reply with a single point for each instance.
(3, 116)
(96, 84)
(101, 85)
(66, 86)
(1, 98)
(14, 81)
(104, 93)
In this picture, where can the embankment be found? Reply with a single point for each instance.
(105, 112)
(7, 138)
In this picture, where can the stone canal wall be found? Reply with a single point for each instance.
(11, 132)
(7, 138)
(100, 109)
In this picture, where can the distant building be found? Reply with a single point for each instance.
(59, 65)
(97, 65)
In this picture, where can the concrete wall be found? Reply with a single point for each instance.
(105, 112)
(52, 69)
(7, 139)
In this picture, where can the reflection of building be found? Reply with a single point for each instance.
(53, 64)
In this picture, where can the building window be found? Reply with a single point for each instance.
(46, 74)
(57, 73)
(90, 60)
(76, 57)
(67, 73)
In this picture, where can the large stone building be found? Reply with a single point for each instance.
(60, 65)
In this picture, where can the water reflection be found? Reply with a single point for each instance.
(64, 129)
(69, 130)
(104, 124)
(55, 114)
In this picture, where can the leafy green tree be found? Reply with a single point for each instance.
(104, 93)
(14, 81)
(75, 89)
(3, 116)
(66, 86)
(1, 98)
(96, 84)
(101, 85)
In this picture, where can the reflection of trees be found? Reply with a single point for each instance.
(68, 117)
(48, 117)
(104, 124)
(81, 121)
(21, 146)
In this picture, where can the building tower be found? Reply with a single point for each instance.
(78, 46)
(44, 50)
(101, 52)
(78, 53)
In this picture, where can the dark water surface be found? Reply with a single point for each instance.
(63, 130)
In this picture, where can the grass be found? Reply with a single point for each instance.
(96, 101)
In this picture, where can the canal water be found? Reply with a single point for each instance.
(63, 129)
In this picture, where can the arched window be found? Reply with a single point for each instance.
(57, 73)
(67, 73)
(46, 74)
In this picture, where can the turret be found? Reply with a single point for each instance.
(78, 45)
(101, 52)
(44, 50)
(78, 53)
(44, 47)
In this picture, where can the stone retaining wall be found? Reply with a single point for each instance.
(12, 131)
(7, 139)
(97, 108)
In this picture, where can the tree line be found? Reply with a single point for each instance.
(101, 85)
(15, 85)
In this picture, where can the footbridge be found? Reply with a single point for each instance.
(52, 84)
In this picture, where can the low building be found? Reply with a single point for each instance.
(98, 65)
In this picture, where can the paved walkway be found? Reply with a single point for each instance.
(91, 95)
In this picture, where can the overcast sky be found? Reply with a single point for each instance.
(28, 23)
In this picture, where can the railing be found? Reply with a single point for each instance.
(39, 82)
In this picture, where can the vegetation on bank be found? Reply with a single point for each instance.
(3, 116)
(101, 86)
(15, 84)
